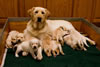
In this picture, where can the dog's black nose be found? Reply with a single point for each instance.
(39, 19)
(34, 47)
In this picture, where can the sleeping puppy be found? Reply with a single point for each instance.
(11, 39)
(30, 46)
(73, 43)
(14, 38)
(20, 37)
(51, 46)
(59, 33)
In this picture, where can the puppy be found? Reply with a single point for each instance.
(59, 33)
(11, 39)
(20, 37)
(51, 46)
(30, 46)
(71, 40)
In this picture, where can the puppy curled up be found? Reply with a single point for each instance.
(30, 46)
(51, 46)
(11, 39)
(14, 38)
(59, 33)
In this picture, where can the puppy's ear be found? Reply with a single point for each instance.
(30, 43)
(47, 13)
(39, 45)
(30, 11)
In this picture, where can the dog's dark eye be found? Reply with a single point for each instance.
(42, 12)
(36, 11)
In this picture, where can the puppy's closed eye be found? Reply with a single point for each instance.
(13, 39)
(62, 28)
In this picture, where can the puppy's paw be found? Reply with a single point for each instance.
(34, 57)
(55, 55)
(39, 58)
(16, 55)
(92, 42)
(85, 49)
(49, 55)
(62, 53)
(24, 53)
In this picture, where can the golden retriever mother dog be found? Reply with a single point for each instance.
(39, 24)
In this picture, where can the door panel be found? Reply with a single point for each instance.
(60, 8)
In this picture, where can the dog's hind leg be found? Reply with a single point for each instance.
(91, 41)
(60, 48)
(54, 54)
(57, 50)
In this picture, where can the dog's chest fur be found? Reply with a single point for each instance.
(37, 33)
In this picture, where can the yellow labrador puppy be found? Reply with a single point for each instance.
(59, 33)
(14, 38)
(11, 39)
(30, 46)
(71, 40)
(51, 46)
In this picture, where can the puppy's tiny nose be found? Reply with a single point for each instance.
(34, 47)
(39, 19)
(19, 40)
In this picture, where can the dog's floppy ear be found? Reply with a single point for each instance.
(47, 13)
(30, 11)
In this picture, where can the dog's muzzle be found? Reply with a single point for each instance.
(39, 19)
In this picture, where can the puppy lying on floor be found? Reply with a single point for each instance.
(30, 46)
(14, 38)
(51, 46)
